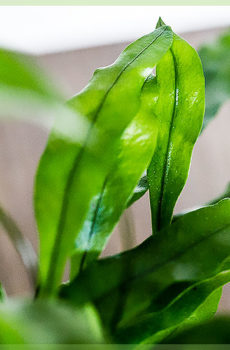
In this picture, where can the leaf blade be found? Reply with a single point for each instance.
(74, 163)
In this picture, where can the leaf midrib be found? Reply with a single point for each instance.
(57, 243)
(164, 177)
(160, 265)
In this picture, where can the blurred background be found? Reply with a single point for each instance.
(70, 43)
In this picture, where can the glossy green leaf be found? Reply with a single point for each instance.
(180, 82)
(190, 250)
(69, 175)
(21, 244)
(24, 322)
(139, 191)
(215, 58)
(150, 328)
(135, 152)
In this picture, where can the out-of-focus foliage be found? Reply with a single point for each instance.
(45, 322)
(215, 58)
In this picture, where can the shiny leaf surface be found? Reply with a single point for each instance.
(180, 82)
(134, 154)
(149, 274)
(69, 175)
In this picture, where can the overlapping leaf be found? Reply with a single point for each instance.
(134, 154)
(189, 251)
(70, 175)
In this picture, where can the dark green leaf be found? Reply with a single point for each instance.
(141, 188)
(215, 58)
(215, 331)
(180, 81)
(152, 327)
(46, 322)
(190, 250)
(21, 244)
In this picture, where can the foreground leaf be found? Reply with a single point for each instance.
(70, 175)
(180, 82)
(48, 322)
(190, 250)
(25, 91)
(215, 58)
(134, 154)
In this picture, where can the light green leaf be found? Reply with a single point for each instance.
(25, 92)
(70, 175)
(180, 82)
(190, 250)
(215, 58)
(45, 322)
(134, 154)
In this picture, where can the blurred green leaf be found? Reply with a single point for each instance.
(190, 250)
(215, 58)
(180, 82)
(2, 293)
(24, 89)
(21, 244)
(134, 154)
(70, 175)
(46, 322)
(215, 331)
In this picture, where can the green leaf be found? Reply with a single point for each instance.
(134, 154)
(180, 81)
(215, 58)
(69, 175)
(21, 244)
(150, 328)
(141, 188)
(190, 250)
(45, 322)
(215, 331)
(25, 91)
